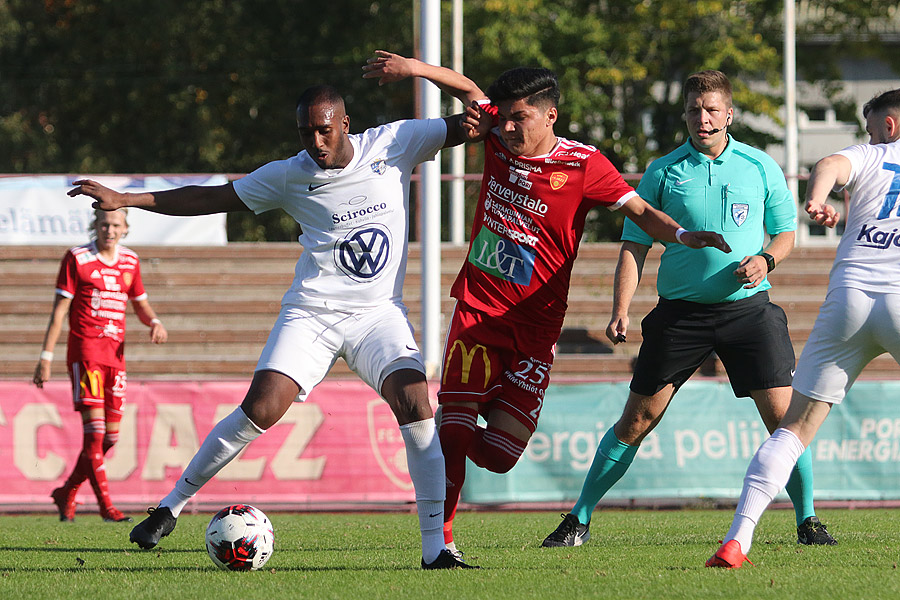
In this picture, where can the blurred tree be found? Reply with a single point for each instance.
(118, 86)
(621, 64)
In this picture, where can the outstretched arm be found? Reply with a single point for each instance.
(389, 67)
(472, 125)
(185, 201)
(664, 228)
(829, 173)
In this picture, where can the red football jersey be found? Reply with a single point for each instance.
(99, 293)
(527, 227)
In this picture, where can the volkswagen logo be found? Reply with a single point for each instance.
(363, 253)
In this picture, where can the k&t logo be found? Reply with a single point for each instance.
(502, 257)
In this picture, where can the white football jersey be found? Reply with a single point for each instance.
(868, 255)
(355, 220)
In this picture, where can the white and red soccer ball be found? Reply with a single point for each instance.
(240, 538)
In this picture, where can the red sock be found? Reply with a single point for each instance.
(91, 461)
(457, 431)
(495, 449)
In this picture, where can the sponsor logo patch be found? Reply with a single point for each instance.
(502, 258)
(557, 180)
(363, 253)
(739, 212)
(378, 166)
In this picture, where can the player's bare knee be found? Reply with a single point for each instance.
(406, 392)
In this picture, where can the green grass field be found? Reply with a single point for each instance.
(632, 554)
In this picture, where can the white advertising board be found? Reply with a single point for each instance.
(35, 210)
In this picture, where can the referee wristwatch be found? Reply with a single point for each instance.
(770, 261)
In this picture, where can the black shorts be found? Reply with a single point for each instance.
(750, 336)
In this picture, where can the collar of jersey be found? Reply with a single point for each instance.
(96, 252)
(702, 158)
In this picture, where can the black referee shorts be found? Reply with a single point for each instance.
(750, 336)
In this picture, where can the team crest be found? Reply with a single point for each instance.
(387, 443)
(127, 278)
(378, 166)
(739, 212)
(557, 180)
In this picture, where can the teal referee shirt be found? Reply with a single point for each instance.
(742, 194)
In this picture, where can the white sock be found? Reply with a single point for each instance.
(426, 468)
(224, 442)
(767, 474)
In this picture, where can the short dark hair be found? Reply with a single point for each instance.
(320, 93)
(707, 81)
(537, 86)
(883, 102)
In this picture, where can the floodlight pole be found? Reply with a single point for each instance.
(430, 209)
(457, 153)
(791, 133)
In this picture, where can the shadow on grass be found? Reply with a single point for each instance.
(87, 550)
(211, 568)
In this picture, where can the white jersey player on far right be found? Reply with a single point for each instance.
(859, 320)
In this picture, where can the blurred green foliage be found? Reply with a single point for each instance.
(120, 86)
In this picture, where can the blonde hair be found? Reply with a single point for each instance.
(92, 228)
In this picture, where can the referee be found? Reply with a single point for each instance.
(709, 302)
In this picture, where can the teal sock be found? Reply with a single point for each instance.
(610, 462)
(800, 488)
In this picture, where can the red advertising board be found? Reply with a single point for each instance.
(341, 446)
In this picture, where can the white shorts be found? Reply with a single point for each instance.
(305, 343)
(853, 327)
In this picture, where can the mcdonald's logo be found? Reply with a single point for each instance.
(92, 384)
(467, 357)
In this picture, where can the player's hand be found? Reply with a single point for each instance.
(752, 271)
(617, 329)
(106, 199)
(41, 373)
(388, 67)
(158, 333)
(705, 239)
(476, 122)
(823, 214)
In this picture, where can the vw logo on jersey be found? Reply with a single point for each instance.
(363, 253)
(739, 212)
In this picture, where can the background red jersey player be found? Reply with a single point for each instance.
(95, 282)
(511, 293)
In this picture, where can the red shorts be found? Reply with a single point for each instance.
(98, 386)
(497, 364)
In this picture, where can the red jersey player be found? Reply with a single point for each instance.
(511, 292)
(95, 282)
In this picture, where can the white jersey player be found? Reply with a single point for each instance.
(354, 219)
(859, 320)
(349, 193)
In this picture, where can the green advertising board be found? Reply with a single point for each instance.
(700, 449)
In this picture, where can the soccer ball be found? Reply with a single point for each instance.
(240, 538)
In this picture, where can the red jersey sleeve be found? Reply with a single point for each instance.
(137, 291)
(68, 275)
(603, 184)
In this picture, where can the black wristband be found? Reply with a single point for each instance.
(770, 261)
